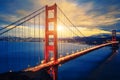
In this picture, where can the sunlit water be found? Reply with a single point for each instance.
(17, 56)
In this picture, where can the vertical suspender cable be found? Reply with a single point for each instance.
(39, 52)
(34, 41)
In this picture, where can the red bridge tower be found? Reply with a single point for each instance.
(51, 38)
(113, 35)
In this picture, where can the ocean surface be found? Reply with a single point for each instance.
(101, 64)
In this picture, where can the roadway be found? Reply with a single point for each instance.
(67, 58)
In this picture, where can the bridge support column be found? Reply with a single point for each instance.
(55, 72)
(51, 38)
(113, 37)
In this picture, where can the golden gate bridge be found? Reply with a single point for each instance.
(42, 26)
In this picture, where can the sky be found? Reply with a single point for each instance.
(90, 16)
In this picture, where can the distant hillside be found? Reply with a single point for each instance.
(95, 39)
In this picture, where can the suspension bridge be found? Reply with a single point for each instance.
(41, 27)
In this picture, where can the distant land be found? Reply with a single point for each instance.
(91, 40)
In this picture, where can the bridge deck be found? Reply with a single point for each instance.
(67, 57)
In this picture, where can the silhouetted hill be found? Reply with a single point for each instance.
(95, 39)
(39, 75)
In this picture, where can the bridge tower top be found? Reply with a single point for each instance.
(113, 35)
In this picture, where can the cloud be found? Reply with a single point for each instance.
(79, 12)
(83, 14)
(80, 16)
(22, 12)
(24, 31)
(93, 31)
(8, 18)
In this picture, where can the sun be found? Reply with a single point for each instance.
(60, 28)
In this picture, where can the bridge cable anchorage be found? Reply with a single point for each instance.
(20, 23)
(22, 18)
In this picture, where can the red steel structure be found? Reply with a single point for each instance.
(51, 38)
(113, 35)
